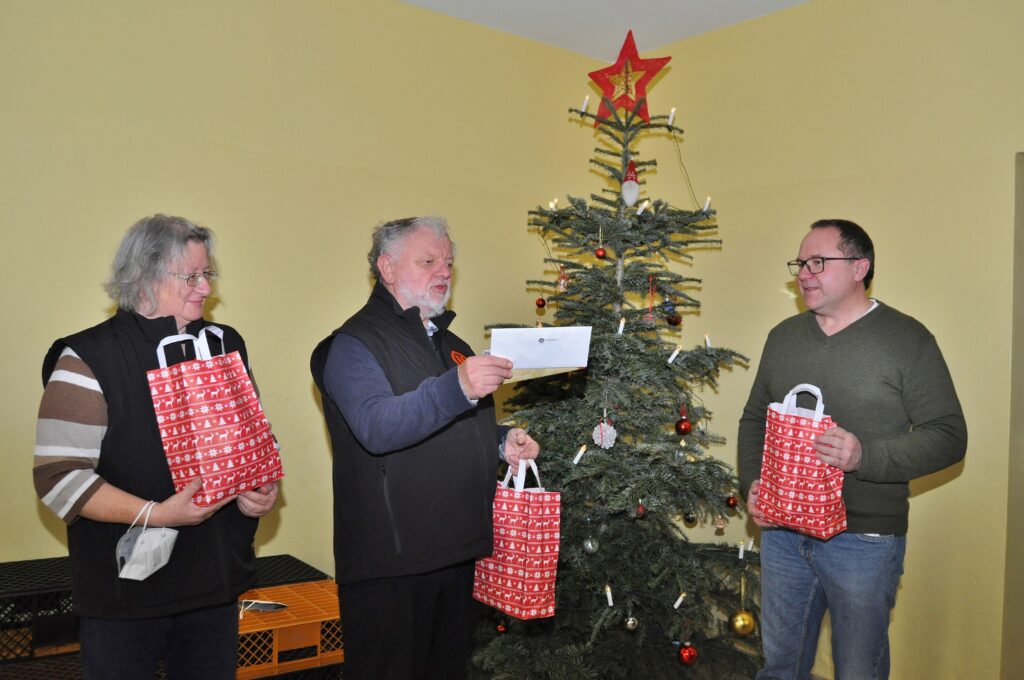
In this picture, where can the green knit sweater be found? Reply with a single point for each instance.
(883, 379)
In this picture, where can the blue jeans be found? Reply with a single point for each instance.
(852, 576)
(193, 645)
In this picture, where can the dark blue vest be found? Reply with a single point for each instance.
(426, 506)
(213, 562)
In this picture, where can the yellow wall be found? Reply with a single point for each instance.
(905, 117)
(292, 128)
(1013, 622)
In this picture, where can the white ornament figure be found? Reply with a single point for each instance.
(604, 435)
(630, 187)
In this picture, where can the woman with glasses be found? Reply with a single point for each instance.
(99, 462)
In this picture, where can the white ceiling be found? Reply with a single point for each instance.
(596, 28)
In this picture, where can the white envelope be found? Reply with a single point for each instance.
(558, 347)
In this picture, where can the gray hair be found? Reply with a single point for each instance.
(147, 252)
(388, 236)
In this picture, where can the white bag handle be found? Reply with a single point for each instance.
(520, 480)
(170, 340)
(789, 403)
(201, 345)
(204, 342)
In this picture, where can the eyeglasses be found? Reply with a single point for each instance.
(193, 279)
(815, 265)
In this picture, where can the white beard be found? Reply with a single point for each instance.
(427, 306)
(630, 192)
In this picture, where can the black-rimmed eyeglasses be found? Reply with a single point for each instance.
(815, 265)
(193, 279)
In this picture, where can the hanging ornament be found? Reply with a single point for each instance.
(632, 623)
(541, 303)
(690, 518)
(683, 426)
(600, 253)
(624, 83)
(719, 522)
(640, 510)
(742, 623)
(630, 187)
(604, 434)
(500, 628)
(562, 282)
(591, 544)
(688, 654)
(674, 319)
(667, 305)
(649, 314)
(732, 501)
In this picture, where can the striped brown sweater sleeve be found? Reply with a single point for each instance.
(69, 433)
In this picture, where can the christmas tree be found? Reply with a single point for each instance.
(635, 597)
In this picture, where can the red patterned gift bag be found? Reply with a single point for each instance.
(211, 422)
(519, 577)
(797, 490)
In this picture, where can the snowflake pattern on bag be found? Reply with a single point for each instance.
(213, 426)
(797, 490)
(519, 577)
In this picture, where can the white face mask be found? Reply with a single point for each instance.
(142, 551)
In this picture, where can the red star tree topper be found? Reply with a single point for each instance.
(625, 81)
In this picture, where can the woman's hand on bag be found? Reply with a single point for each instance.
(839, 448)
(180, 511)
(519, 446)
(754, 507)
(258, 502)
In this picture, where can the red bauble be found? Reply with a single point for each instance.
(541, 303)
(688, 654)
(674, 319)
(683, 427)
(731, 501)
(600, 253)
(640, 510)
(500, 628)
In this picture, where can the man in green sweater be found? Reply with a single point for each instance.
(885, 384)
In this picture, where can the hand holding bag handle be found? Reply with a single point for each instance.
(520, 480)
(789, 403)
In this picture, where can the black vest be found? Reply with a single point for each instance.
(426, 506)
(213, 562)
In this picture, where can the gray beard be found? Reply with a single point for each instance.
(426, 306)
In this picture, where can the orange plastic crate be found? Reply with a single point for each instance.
(306, 634)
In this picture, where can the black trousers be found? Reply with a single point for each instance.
(197, 644)
(416, 627)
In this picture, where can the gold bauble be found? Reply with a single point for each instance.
(742, 623)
